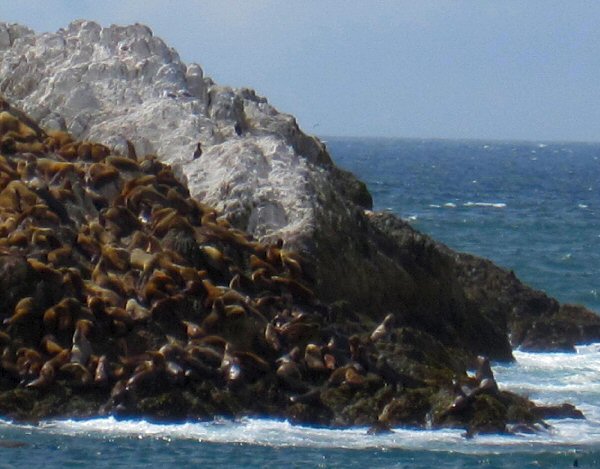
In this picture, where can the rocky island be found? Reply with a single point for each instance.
(174, 249)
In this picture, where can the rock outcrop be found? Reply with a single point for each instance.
(123, 295)
(124, 87)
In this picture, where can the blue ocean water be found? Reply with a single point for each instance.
(531, 207)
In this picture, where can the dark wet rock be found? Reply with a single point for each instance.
(534, 321)
(410, 408)
(562, 411)
(437, 302)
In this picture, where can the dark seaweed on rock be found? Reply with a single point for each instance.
(122, 294)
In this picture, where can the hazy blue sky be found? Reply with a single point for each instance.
(499, 69)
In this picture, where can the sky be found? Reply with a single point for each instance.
(485, 69)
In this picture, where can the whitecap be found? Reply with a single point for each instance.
(282, 434)
(485, 204)
(582, 205)
(545, 377)
(449, 205)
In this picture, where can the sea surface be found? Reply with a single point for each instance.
(531, 207)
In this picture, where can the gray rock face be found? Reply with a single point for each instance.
(120, 85)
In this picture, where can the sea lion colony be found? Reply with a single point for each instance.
(122, 294)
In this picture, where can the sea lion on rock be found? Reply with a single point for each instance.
(383, 329)
(101, 374)
(77, 374)
(313, 358)
(81, 351)
(485, 377)
(230, 365)
(49, 369)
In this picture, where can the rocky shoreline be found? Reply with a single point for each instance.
(126, 292)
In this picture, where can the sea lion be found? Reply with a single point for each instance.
(81, 350)
(313, 358)
(8, 122)
(146, 374)
(485, 377)
(77, 374)
(29, 363)
(121, 219)
(4, 338)
(50, 345)
(57, 138)
(230, 365)
(252, 365)
(136, 311)
(289, 372)
(61, 257)
(115, 258)
(122, 163)
(272, 338)
(207, 352)
(383, 329)
(101, 374)
(353, 378)
(24, 311)
(296, 288)
(49, 369)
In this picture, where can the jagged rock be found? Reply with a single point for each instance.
(535, 321)
(124, 87)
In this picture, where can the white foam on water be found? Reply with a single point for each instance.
(485, 204)
(274, 433)
(546, 377)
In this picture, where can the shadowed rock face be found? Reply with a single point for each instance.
(124, 87)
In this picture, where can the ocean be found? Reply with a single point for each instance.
(531, 207)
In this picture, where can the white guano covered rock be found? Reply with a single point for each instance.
(121, 83)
